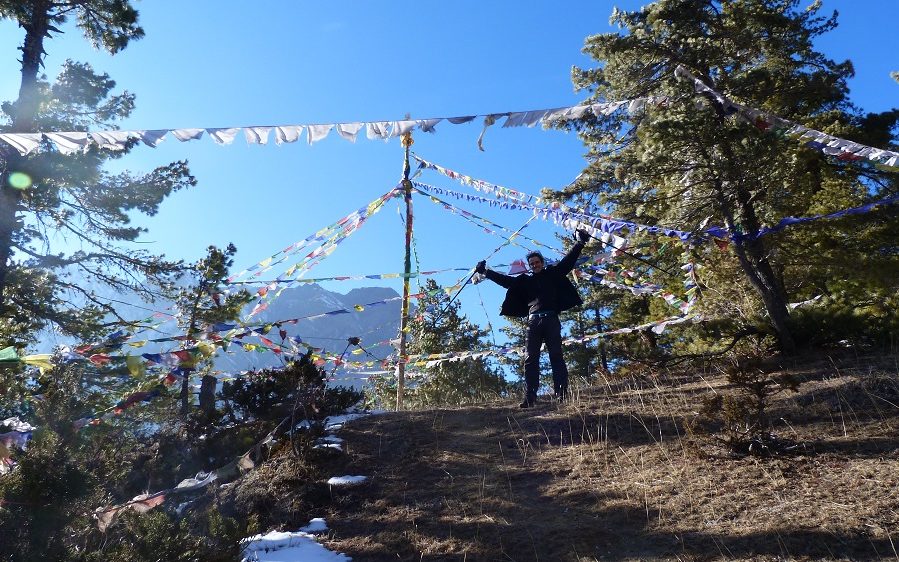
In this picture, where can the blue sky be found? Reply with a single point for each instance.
(218, 64)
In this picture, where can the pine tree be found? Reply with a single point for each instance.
(683, 161)
(588, 358)
(46, 195)
(203, 305)
(516, 331)
(440, 328)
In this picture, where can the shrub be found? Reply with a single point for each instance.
(743, 416)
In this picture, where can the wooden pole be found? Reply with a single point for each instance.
(404, 319)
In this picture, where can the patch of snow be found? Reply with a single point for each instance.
(335, 446)
(333, 423)
(279, 546)
(316, 525)
(346, 480)
(336, 422)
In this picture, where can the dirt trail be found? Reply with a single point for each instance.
(611, 476)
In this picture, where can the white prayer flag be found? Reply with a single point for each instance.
(111, 140)
(69, 143)
(349, 130)
(377, 130)
(223, 136)
(185, 135)
(256, 135)
(152, 138)
(317, 132)
(288, 133)
(427, 125)
(22, 142)
(398, 128)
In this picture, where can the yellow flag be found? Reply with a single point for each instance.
(135, 365)
(206, 349)
(41, 361)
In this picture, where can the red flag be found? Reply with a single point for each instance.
(99, 359)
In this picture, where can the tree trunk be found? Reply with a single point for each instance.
(36, 29)
(751, 251)
(582, 331)
(751, 255)
(762, 277)
(207, 394)
(603, 358)
(23, 121)
(9, 204)
(191, 329)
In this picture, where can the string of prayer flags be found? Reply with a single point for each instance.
(156, 387)
(790, 221)
(718, 234)
(434, 359)
(560, 216)
(357, 277)
(471, 217)
(828, 144)
(497, 191)
(143, 503)
(349, 225)
(73, 142)
(601, 225)
(187, 358)
(9, 355)
(323, 234)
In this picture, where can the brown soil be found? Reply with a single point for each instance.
(613, 476)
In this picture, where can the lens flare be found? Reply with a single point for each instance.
(19, 180)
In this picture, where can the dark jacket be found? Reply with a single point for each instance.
(516, 301)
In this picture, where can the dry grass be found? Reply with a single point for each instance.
(613, 476)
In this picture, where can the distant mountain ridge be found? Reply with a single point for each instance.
(376, 322)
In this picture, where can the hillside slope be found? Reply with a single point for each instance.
(613, 476)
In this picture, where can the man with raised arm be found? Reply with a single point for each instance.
(541, 296)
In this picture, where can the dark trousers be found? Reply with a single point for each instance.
(547, 329)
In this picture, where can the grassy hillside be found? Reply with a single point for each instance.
(616, 475)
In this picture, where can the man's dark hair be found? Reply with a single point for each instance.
(535, 255)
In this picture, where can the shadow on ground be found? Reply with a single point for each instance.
(561, 484)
